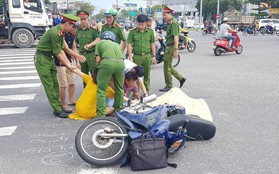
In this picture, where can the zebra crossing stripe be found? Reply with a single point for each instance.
(18, 67)
(20, 78)
(17, 97)
(26, 85)
(7, 131)
(13, 110)
(4, 57)
(18, 72)
(17, 63)
(17, 60)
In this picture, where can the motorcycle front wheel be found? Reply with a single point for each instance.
(239, 49)
(191, 46)
(244, 32)
(175, 62)
(97, 150)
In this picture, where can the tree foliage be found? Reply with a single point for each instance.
(83, 5)
(209, 7)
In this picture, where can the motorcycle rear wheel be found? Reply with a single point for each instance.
(97, 150)
(239, 49)
(191, 46)
(244, 32)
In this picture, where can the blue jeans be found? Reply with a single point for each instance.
(229, 37)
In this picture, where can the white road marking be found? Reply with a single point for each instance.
(7, 131)
(16, 60)
(20, 78)
(26, 85)
(104, 170)
(13, 110)
(17, 63)
(18, 72)
(4, 57)
(18, 67)
(17, 97)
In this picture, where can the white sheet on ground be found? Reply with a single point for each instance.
(176, 96)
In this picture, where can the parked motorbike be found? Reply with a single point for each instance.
(103, 141)
(189, 42)
(209, 30)
(250, 30)
(161, 51)
(222, 45)
(268, 30)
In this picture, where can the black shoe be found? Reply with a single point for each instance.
(61, 114)
(182, 81)
(165, 89)
(67, 111)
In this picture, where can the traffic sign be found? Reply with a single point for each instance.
(140, 9)
(159, 10)
(132, 13)
(217, 16)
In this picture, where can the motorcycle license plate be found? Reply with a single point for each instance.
(214, 46)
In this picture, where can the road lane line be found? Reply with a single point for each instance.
(18, 67)
(26, 85)
(18, 72)
(3, 57)
(17, 60)
(17, 63)
(7, 131)
(17, 97)
(13, 110)
(20, 78)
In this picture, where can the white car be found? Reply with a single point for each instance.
(264, 22)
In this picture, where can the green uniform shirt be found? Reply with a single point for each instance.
(108, 49)
(84, 37)
(117, 30)
(173, 30)
(52, 41)
(141, 40)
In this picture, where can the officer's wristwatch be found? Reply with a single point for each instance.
(175, 48)
(153, 55)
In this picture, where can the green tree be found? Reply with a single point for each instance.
(210, 7)
(83, 5)
(123, 15)
(100, 16)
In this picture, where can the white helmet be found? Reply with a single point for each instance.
(225, 19)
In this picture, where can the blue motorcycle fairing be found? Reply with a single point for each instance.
(160, 130)
(146, 119)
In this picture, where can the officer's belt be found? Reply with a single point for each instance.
(87, 52)
(44, 53)
(141, 54)
(113, 59)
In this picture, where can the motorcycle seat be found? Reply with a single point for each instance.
(176, 121)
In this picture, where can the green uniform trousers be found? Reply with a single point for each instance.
(110, 69)
(47, 72)
(144, 61)
(169, 69)
(89, 65)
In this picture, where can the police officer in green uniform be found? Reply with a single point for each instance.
(171, 50)
(109, 56)
(140, 41)
(52, 44)
(112, 26)
(84, 36)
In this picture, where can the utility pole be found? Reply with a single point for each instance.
(217, 20)
(200, 21)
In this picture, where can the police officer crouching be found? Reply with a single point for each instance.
(109, 58)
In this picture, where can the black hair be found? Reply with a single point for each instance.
(63, 21)
(94, 75)
(139, 70)
(142, 18)
(131, 76)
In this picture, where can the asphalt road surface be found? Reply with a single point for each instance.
(241, 91)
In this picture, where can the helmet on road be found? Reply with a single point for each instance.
(110, 12)
(108, 35)
(226, 19)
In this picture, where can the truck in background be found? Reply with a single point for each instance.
(238, 20)
(22, 23)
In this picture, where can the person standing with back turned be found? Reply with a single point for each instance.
(171, 50)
